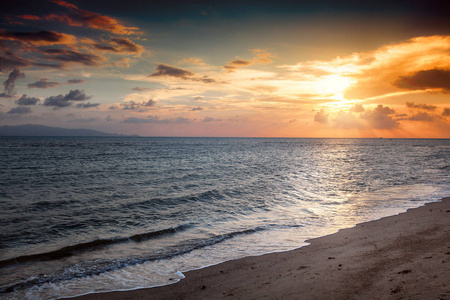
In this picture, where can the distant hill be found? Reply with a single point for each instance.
(40, 130)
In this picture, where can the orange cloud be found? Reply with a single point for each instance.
(195, 61)
(262, 58)
(83, 18)
(120, 45)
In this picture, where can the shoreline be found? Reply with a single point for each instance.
(402, 256)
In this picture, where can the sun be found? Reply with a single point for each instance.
(333, 86)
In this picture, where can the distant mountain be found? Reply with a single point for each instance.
(39, 130)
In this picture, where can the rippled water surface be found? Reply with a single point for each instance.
(96, 214)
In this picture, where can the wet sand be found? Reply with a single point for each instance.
(406, 256)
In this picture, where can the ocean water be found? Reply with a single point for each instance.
(82, 215)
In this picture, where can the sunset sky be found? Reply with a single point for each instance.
(228, 68)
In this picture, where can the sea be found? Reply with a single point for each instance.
(94, 214)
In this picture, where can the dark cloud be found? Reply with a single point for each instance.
(21, 110)
(75, 81)
(380, 118)
(57, 101)
(9, 60)
(71, 56)
(434, 78)
(78, 17)
(87, 105)
(321, 117)
(446, 112)
(149, 103)
(113, 107)
(37, 37)
(105, 48)
(76, 95)
(64, 101)
(5, 95)
(132, 105)
(127, 46)
(25, 100)
(9, 83)
(421, 106)
(197, 108)
(166, 70)
(43, 84)
(108, 118)
(423, 117)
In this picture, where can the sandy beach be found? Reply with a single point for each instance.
(406, 256)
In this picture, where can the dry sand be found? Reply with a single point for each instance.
(406, 256)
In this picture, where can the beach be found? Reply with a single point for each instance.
(406, 256)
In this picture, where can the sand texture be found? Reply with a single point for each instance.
(406, 256)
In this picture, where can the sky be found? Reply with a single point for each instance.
(359, 69)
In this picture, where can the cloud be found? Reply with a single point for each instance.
(321, 117)
(379, 118)
(190, 60)
(25, 100)
(87, 105)
(71, 56)
(124, 62)
(446, 112)
(357, 108)
(75, 81)
(9, 60)
(142, 89)
(262, 57)
(157, 120)
(9, 83)
(198, 108)
(149, 103)
(423, 117)
(425, 79)
(120, 45)
(21, 110)
(420, 106)
(209, 119)
(132, 105)
(45, 84)
(236, 64)
(347, 120)
(39, 38)
(66, 100)
(166, 70)
(169, 71)
(82, 18)
(83, 120)
(5, 95)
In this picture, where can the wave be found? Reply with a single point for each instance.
(102, 266)
(91, 246)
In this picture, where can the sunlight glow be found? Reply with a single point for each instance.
(335, 85)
